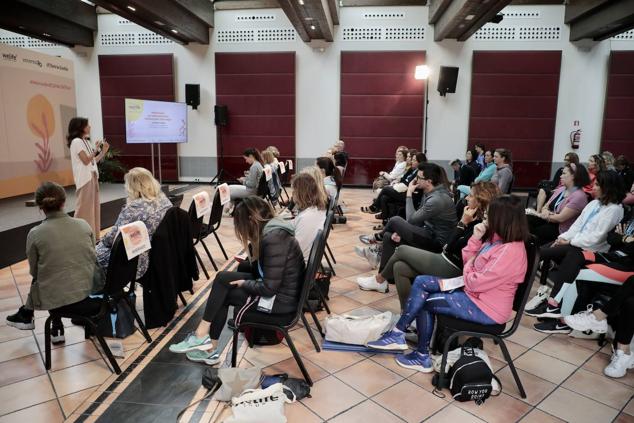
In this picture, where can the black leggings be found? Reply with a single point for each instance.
(569, 261)
(544, 231)
(620, 311)
(222, 295)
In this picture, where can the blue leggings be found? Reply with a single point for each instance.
(426, 299)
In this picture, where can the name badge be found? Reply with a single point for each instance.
(265, 304)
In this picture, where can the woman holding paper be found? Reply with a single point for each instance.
(495, 264)
(280, 265)
(146, 203)
(84, 156)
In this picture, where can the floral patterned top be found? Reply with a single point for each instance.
(149, 212)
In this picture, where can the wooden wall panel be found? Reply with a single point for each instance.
(618, 118)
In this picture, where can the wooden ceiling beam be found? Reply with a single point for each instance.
(479, 22)
(604, 21)
(245, 4)
(436, 9)
(77, 12)
(202, 9)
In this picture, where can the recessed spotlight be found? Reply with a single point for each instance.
(469, 17)
(312, 27)
(174, 31)
(132, 8)
(46, 34)
(159, 23)
(308, 18)
(301, 2)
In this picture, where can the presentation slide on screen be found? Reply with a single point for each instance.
(148, 121)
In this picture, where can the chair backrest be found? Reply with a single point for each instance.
(121, 271)
(524, 289)
(328, 224)
(314, 260)
(216, 212)
(263, 187)
(197, 222)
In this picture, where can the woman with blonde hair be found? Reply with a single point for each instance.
(311, 202)
(279, 278)
(147, 203)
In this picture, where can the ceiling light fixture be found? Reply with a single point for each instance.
(132, 8)
(422, 72)
(46, 34)
(159, 23)
(469, 17)
(174, 31)
(301, 2)
(313, 27)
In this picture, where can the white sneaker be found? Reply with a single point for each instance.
(586, 320)
(619, 364)
(360, 250)
(542, 295)
(369, 283)
(586, 334)
(372, 254)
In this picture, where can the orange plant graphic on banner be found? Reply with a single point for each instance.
(41, 120)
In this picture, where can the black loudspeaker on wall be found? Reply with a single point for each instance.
(447, 80)
(192, 95)
(221, 115)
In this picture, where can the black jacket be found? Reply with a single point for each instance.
(458, 240)
(171, 270)
(282, 264)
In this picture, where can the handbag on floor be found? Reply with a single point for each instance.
(119, 323)
(233, 380)
(260, 405)
(357, 330)
(322, 283)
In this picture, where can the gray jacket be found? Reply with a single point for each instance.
(62, 262)
(253, 178)
(436, 212)
(503, 177)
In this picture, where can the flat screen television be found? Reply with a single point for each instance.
(155, 122)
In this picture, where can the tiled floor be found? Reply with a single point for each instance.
(562, 376)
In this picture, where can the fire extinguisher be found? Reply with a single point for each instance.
(575, 138)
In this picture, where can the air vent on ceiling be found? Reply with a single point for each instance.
(383, 34)
(625, 36)
(404, 33)
(522, 14)
(17, 41)
(518, 33)
(362, 34)
(255, 18)
(124, 22)
(393, 15)
(275, 34)
(236, 36)
(132, 39)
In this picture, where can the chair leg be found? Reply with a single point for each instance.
(441, 376)
(310, 333)
(106, 350)
(331, 254)
(139, 322)
(200, 261)
(332, 269)
(317, 324)
(213, 263)
(322, 298)
(180, 295)
(47, 343)
(234, 350)
(222, 248)
(509, 360)
(298, 358)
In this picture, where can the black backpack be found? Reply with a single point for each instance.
(470, 378)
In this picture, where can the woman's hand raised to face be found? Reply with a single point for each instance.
(479, 230)
(468, 215)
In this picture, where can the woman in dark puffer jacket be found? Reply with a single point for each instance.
(280, 265)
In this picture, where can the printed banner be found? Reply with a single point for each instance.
(37, 100)
(225, 193)
(268, 172)
(135, 238)
(203, 203)
(282, 168)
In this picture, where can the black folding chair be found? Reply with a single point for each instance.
(498, 332)
(327, 226)
(199, 235)
(215, 217)
(283, 177)
(283, 323)
(119, 274)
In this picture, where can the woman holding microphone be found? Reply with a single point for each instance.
(84, 156)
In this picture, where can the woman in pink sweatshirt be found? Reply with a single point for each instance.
(495, 264)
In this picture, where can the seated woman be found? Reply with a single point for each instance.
(485, 175)
(147, 203)
(332, 177)
(563, 207)
(62, 262)
(546, 187)
(596, 164)
(408, 262)
(503, 175)
(251, 181)
(588, 233)
(385, 178)
(274, 184)
(495, 264)
(480, 151)
(281, 273)
(472, 161)
(619, 314)
(311, 202)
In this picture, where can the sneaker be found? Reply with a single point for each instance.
(208, 357)
(545, 310)
(586, 320)
(191, 343)
(23, 319)
(360, 250)
(369, 283)
(619, 364)
(552, 326)
(368, 239)
(416, 361)
(57, 335)
(540, 297)
(372, 254)
(586, 334)
(389, 341)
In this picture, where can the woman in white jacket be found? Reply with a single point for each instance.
(311, 201)
(386, 178)
(578, 245)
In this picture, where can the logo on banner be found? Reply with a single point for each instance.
(10, 57)
(203, 205)
(58, 67)
(33, 62)
(136, 239)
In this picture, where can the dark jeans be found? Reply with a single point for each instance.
(620, 311)
(388, 201)
(413, 235)
(222, 295)
(544, 231)
(87, 307)
(569, 261)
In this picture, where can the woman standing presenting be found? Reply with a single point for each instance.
(84, 156)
